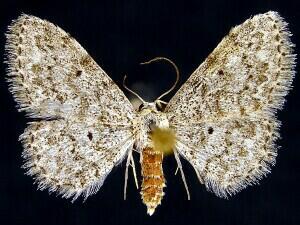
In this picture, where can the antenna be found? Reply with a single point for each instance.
(175, 67)
(131, 91)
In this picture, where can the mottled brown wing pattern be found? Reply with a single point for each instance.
(52, 77)
(224, 115)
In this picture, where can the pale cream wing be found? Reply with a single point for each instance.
(73, 157)
(225, 114)
(52, 77)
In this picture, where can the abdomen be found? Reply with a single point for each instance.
(153, 178)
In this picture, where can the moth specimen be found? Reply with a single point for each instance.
(222, 120)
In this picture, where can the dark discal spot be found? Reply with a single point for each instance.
(274, 26)
(22, 29)
(49, 67)
(32, 139)
(220, 72)
(250, 44)
(78, 73)
(90, 136)
(210, 130)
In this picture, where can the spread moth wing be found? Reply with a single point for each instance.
(224, 115)
(52, 76)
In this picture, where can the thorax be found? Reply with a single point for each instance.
(148, 118)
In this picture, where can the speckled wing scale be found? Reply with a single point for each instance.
(90, 131)
(225, 114)
(222, 120)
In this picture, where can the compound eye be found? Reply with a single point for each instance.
(141, 106)
(158, 106)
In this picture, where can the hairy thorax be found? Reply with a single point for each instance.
(149, 118)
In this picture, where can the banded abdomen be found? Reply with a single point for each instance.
(153, 178)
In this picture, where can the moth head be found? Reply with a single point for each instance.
(148, 106)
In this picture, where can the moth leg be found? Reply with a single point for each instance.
(134, 171)
(176, 170)
(126, 172)
(182, 173)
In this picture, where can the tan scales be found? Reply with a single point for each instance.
(153, 178)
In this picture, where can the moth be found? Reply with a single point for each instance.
(222, 120)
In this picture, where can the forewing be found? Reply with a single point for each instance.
(90, 131)
(51, 75)
(224, 115)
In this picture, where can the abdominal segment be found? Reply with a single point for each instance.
(153, 178)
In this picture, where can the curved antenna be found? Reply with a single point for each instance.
(131, 91)
(175, 67)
